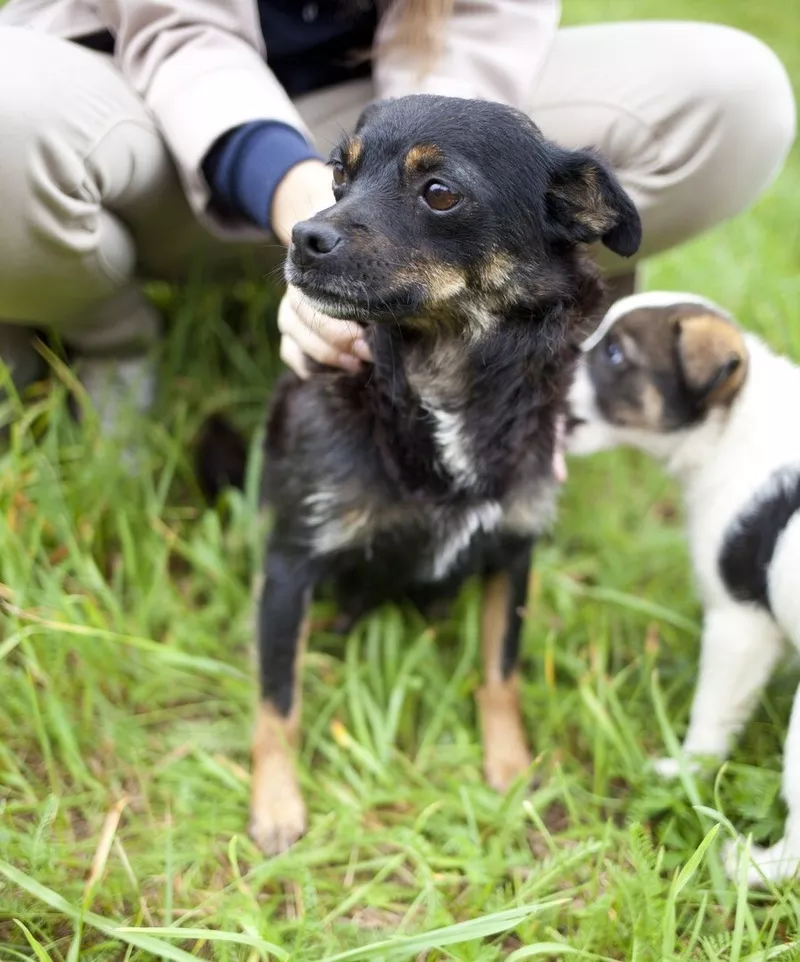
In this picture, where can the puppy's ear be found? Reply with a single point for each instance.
(712, 356)
(370, 112)
(587, 203)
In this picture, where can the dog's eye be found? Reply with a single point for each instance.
(440, 197)
(614, 353)
(339, 176)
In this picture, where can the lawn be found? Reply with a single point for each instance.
(126, 691)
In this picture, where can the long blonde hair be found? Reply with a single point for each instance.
(420, 24)
(419, 28)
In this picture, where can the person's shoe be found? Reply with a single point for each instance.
(24, 363)
(111, 354)
(117, 387)
(120, 391)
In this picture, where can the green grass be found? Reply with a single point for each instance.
(126, 693)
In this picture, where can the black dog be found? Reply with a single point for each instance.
(456, 238)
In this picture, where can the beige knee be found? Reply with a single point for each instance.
(708, 130)
(62, 250)
(744, 124)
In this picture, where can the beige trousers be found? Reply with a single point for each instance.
(696, 118)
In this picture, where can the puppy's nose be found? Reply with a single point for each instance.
(312, 240)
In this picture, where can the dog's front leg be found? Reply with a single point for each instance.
(505, 749)
(277, 810)
(739, 650)
(780, 862)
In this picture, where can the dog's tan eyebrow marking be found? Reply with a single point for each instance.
(421, 158)
(352, 152)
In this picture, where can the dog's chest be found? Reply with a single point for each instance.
(466, 487)
(525, 513)
(455, 447)
(452, 534)
(425, 540)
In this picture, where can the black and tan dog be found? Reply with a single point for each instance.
(457, 238)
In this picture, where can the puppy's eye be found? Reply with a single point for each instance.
(339, 176)
(614, 354)
(439, 196)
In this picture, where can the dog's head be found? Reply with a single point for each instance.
(453, 209)
(657, 366)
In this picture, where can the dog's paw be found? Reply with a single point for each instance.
(505, 747)
(779, 863)
(503, 766)
(277, 810)
(276, 826)
(671, 768)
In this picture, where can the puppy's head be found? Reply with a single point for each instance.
(452, 210)
(657, 365)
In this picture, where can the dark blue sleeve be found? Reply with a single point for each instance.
(245, 166)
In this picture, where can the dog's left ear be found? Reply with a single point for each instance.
(712, 357)
(369, 112)
(587, 204)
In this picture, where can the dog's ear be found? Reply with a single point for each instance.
(712, 356)
(587, 203)
(370, 112)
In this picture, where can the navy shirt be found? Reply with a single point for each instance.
(315, 44)
(310, 45)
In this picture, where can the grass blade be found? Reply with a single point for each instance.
(137, 937)
(479, 928)
(38, 949)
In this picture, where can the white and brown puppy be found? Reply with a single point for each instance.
(674, 375)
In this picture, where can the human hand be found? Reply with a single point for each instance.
(309, 333)
(304, 191)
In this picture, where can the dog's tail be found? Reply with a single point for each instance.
(220, 457)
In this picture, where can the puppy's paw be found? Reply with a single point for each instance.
(277, 810)
(670, 768)
(779, 863)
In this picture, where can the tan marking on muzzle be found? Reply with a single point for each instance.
(496, 271)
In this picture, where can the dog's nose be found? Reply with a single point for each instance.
(312, 240)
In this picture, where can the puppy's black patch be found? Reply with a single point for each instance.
(749, 544)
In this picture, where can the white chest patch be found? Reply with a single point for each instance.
(453, 445)
(455, 534)
(334, 531)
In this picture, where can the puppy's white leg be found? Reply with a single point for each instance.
(781, 861)
(739, 650)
